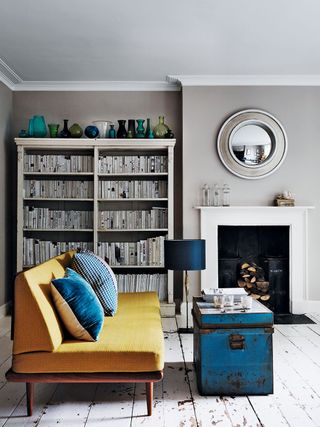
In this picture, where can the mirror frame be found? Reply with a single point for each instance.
(271, 125)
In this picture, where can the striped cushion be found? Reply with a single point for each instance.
(100, 276)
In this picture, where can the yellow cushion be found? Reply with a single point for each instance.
(36, 323)
(131, 341)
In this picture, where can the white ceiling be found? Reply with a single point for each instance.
(146, 40)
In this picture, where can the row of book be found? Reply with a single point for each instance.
(132, 189)
(57, 163)
(143, 283)
(133, 164)
(155, 218)
(149, 252)
(44, 218)
(36, 251)
(58, 189)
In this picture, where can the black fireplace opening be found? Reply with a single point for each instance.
(267, 248)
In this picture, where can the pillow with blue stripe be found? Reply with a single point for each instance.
(78, 306)
(100, 276)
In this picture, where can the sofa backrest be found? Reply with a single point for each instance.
(36, 324)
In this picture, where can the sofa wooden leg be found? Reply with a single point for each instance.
(149, 392)
(30, 393)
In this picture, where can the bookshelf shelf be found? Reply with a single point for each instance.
(58, 199)
(58, 230)
(137, 174)
(131, 167)
(58, 174)
(132, 230)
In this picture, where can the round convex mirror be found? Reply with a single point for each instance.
(252, 144)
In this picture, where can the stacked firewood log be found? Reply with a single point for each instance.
(253, 281)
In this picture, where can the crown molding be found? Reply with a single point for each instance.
(96, 86)
(246, 80)
(7, 76)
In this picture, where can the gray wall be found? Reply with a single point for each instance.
(5, 125)
(84, 107)
(298, 109)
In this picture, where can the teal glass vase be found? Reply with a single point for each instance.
(39, 127)
(149, 133)
(140, 129)
(30, 128)
(112, 131)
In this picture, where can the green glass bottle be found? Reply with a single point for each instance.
(76, 131)
(161, 129)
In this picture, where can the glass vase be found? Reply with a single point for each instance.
(112, 131)
(65, 133)
(131, 129)
(149, 132)
(30, 128)
(140, 129)
(76, 131)
(161, 129)
(53, 130)
(39, 127)
(122, 132)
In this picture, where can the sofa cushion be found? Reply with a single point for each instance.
(100, 276)
(131, 341)
(78, 306)
(37, 326)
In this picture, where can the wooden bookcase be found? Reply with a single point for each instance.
(93, 235)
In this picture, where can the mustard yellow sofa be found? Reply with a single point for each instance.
(130, 347)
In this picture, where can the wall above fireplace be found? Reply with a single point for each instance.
(294, 217)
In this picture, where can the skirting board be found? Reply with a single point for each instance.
(5, 309)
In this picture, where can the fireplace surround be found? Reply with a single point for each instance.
(296, 218)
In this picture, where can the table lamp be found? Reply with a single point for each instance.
(184, 255)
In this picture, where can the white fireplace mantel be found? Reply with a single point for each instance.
(295, 217)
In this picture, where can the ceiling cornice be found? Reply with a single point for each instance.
(96, 86)
(246, 80)
(7, 76)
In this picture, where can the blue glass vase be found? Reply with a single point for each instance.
(91, 132)
(39, 127)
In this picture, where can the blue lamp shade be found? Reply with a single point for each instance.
(189, 254)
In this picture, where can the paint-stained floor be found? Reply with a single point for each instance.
(177, 403)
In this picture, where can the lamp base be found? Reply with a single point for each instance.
(185, 330)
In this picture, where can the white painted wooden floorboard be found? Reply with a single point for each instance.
(5, 348)
(5, 325)
(69, 405)
(169, 324)
(112, 406)
(43, 394)
(297, 398)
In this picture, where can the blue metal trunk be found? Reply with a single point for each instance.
(233, 350)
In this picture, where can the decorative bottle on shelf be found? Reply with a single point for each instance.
(216, 195)
(131, 128)
(206, 195)
(112, 131)
(161, 129)
(149, 133)
(65, 133)
(140, 129)
(76, 131)
(122, 132)
(39, 127)
(225, 195)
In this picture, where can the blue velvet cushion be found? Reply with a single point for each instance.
(78, 306)
(100, 276)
